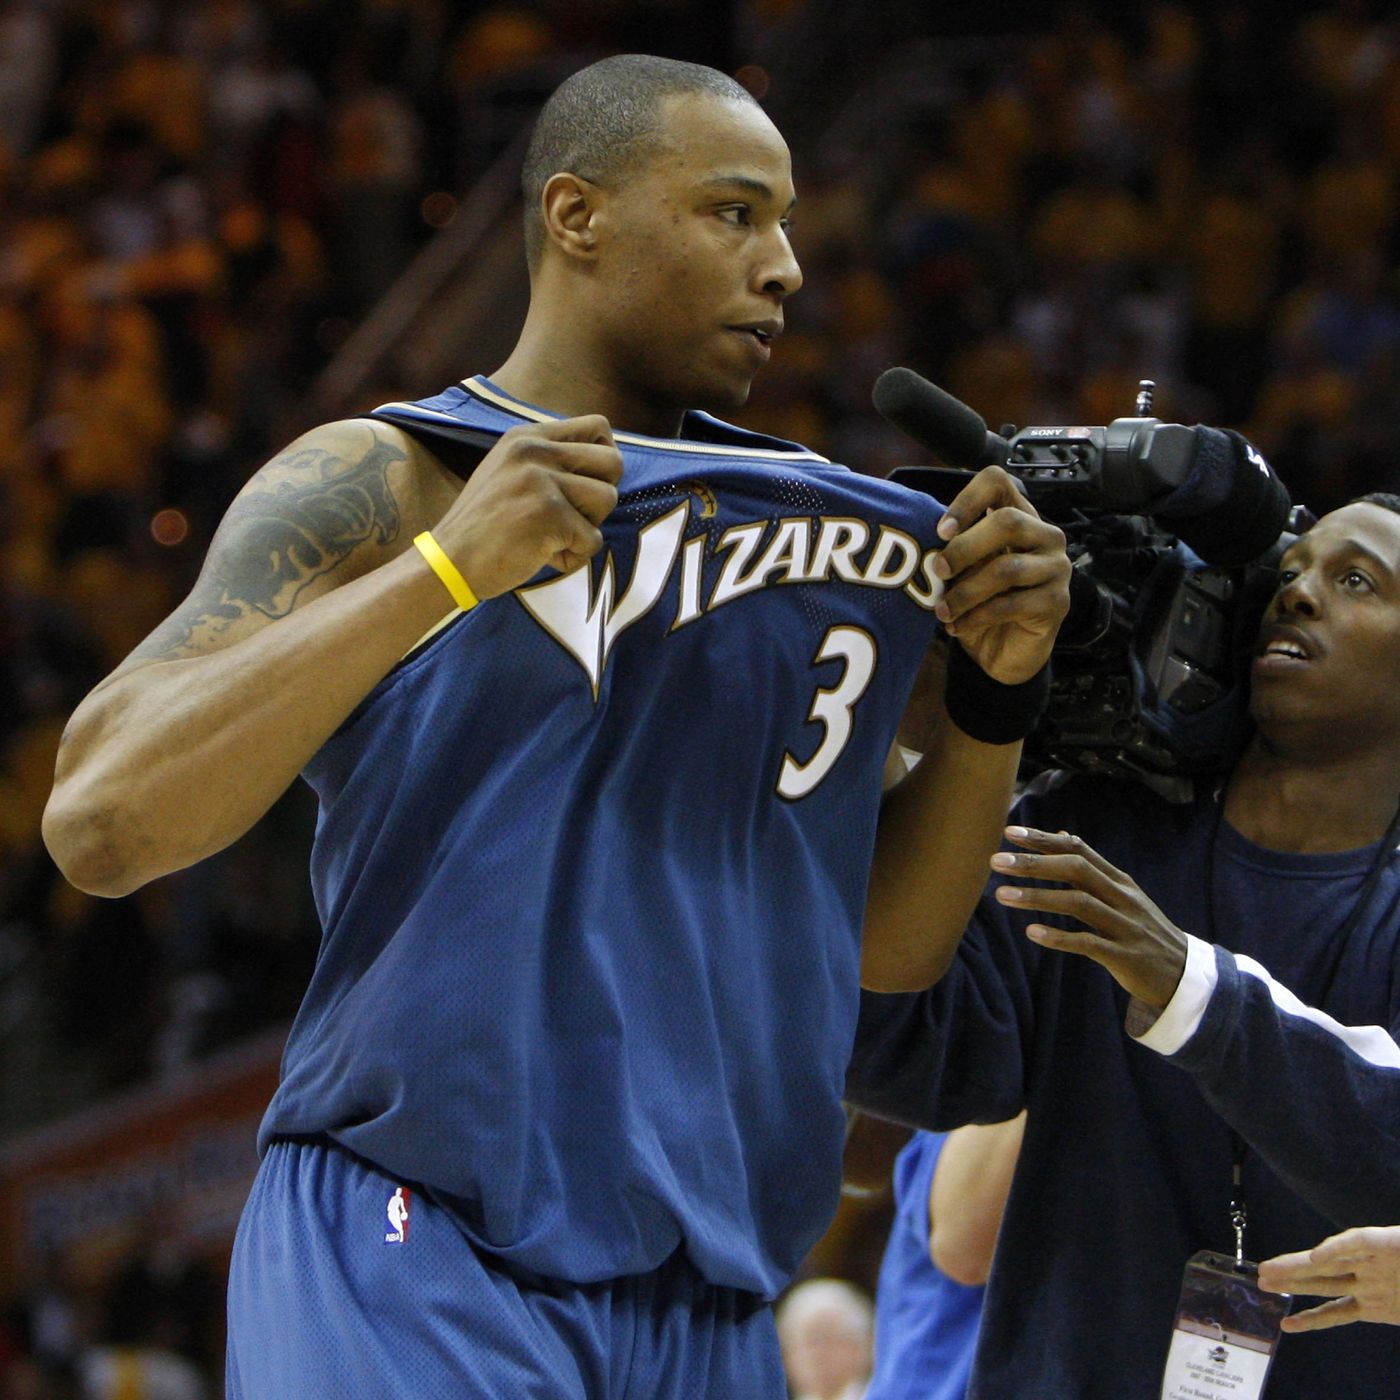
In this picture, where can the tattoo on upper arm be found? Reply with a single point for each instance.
(275, 542)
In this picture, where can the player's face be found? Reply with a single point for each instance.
(695, 262)
(1329, 646)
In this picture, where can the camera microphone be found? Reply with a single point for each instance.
(933, 417)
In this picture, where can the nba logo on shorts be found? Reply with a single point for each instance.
(398, 1216)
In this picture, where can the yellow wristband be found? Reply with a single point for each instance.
(446, 570)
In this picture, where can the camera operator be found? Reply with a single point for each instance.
(1218, 1049)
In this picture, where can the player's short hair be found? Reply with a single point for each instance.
(602, 121)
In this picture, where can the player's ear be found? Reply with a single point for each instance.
(569, 207)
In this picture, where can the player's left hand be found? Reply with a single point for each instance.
(1124, 931)
(1006, 577)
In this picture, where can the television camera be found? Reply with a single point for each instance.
(1175, 535)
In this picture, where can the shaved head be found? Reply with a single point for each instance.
(604, 120)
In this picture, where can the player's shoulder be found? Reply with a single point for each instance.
(365, 453)
(351, 490)
(341, 445)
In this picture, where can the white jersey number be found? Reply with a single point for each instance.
(833, 708)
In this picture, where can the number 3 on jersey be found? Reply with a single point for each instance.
(833, 708)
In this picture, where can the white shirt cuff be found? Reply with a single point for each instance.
(1181, 1016)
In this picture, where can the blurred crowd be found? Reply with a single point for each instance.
(200, 199)
(1203, 196)
(152, 1330)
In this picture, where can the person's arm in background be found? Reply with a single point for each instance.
(1358, 1270)
(310, 594)
(1007, 590)
(968, 1196)
(1334, 1137)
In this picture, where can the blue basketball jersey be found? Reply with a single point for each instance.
(591, 865)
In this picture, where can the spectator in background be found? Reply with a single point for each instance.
(825, 1329)
(375, 171)
(45, 1323)
(950, 1192)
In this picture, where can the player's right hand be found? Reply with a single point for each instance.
(537, 499)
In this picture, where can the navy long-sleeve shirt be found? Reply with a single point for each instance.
(1283, 1031)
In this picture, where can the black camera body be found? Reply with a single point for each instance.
(1150, 671)
(1122, 467)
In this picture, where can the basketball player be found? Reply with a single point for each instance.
(595, 838)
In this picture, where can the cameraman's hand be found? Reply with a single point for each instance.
(1006, 577)
(1126, 932)
(1359, 1270)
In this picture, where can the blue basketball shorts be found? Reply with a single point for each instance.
(346, 1283)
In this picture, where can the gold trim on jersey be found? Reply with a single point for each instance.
(706, 449)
